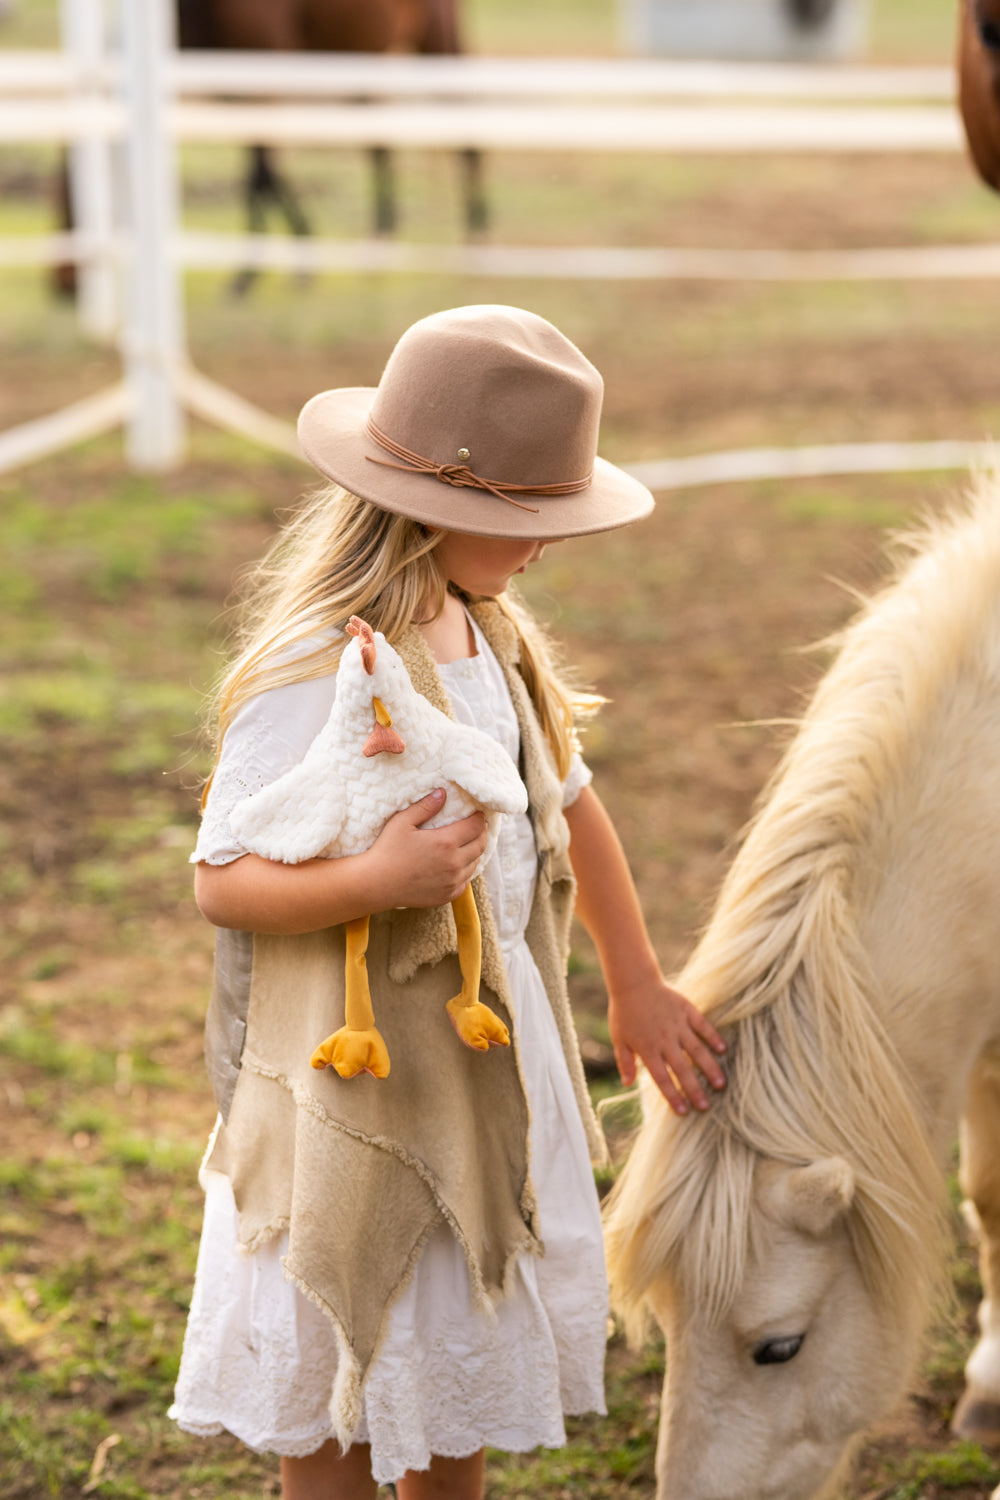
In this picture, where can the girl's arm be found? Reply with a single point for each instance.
(408, 865)
(646, 1018)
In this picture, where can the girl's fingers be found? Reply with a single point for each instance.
(422, 811)
(625, 1063)
(687, 1058)
(678, 1083)
(664, 1080)
(703, 1026)
(690, 1084)
(706, 1061)
(473, 830)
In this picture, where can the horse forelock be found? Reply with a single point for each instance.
(813, 1071)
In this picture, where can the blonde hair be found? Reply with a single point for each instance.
(337, 556)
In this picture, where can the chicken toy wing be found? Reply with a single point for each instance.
(384, 747)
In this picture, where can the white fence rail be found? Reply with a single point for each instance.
(515, 126)
(205, 251)
(339, 75)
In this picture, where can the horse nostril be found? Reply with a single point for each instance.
(989, 35)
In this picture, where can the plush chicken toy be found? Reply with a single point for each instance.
(384, 747)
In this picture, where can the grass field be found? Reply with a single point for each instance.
(112, 591)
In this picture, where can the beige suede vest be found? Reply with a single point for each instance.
(360, 1172)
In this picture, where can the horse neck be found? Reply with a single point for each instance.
(928, 891)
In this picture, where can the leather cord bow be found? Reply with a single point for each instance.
(462, 477)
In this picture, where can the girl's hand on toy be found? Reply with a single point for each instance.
(672, 1037)
(420, 866)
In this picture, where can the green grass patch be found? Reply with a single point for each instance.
(109, 545)
(933, 1472)
(821, 507)
(38, 1043)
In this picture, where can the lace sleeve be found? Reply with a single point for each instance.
(270, 734)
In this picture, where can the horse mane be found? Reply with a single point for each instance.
(783, 972)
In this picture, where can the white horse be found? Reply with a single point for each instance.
(790, 1241)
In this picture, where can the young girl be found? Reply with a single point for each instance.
(395, 1274)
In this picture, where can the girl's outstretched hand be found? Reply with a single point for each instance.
(672, 1037)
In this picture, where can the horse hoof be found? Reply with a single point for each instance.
(977, 1418)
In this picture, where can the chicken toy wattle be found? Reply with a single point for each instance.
(384, 747)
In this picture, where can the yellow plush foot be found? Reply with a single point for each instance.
(477, 1025)
(350, 1052)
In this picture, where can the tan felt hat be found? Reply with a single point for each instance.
(484, 421)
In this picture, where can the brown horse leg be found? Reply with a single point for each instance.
(384, 184)
(264, 184)
(977, 1415)
(439, 35)
(477, 216)
(63, 279)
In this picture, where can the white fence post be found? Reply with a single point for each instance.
(153, 342)
(90, 173)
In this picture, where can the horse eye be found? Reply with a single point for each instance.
(777, 1351)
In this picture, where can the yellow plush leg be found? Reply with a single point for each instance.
(476, 1024)
(357, 1047)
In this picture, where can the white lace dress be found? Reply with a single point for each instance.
(259, 1358)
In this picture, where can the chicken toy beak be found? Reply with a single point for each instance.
(383, 738)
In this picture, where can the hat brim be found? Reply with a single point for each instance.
(333, 438)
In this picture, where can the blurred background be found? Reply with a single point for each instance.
(114, 578)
